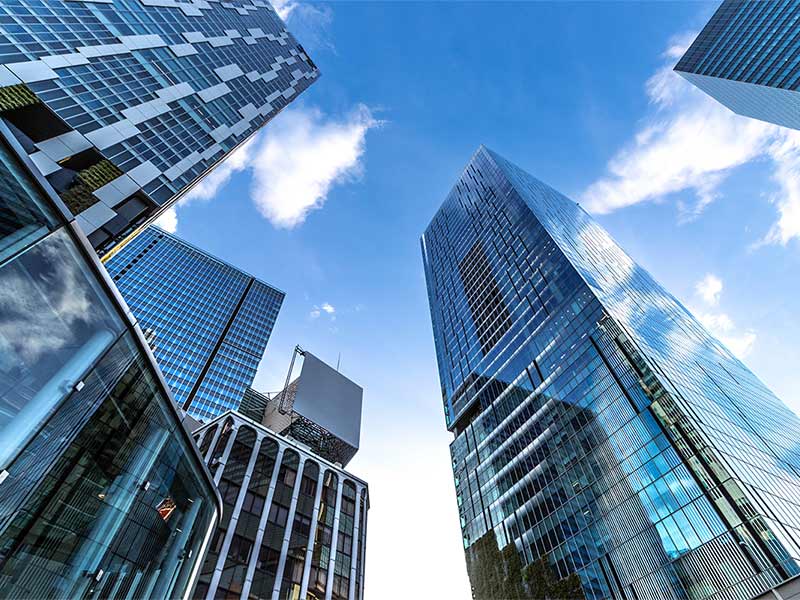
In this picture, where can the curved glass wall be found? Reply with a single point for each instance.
(344, 544)
(301, 528)
(270, 552)
(55, 322)
(103, 494)
(122, 510)
(320, 556)
(24, 214)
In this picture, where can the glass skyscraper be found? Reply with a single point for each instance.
(103, 494)
(207, 322)
(748, 58)
(596, 421)
(124, 104)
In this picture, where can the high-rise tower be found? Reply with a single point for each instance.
(207, 322)
(746, 57)
(124, 104)
(596, 421)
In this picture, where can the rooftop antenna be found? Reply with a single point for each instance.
(338, 360)
(284, 397)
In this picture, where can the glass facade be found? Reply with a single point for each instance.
(282, 507)
(207, 322)
(102, 493)
(124, 104)
(748, 58)
(596, 421)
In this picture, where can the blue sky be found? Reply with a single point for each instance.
(329, 202)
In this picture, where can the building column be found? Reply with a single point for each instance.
(334, 540)
(287, 531)
(214, 439)
(312, 534)
(351, 590)
(262, 523)
(226, 544)
(363, 549)
(225, 454)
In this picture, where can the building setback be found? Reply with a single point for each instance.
(124, 104)
(596, 421)
(294, 525)
(207, 322)
(748, 58)
(102, 491)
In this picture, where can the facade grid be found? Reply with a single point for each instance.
(125, 104)
(208, 322)
(748, 58)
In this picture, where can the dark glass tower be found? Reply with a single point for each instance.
(207, 322)
(102, 492)
(748, 58)
(124, 104)
(596, 421)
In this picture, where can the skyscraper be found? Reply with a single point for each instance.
(294, 522)
(124, 104)
(207, 322)
(747, 56)
(102, 492)
(596, 421)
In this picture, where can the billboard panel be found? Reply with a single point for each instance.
(329, 399)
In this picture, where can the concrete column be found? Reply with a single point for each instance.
(363, 547)
(214, 439)
(262, 523)
(225, 454)
(351, 591)
(226, 544)
(335, 539)
(287, 531)
(313, 534)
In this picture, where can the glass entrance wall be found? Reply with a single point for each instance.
(102, 492)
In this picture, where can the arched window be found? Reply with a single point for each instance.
(270, 552)
(344, 544)
(321, 554)
(219, 448)
(206, 443)
(301, 529)
(362, 534)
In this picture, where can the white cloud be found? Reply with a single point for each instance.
(208, 187)
(168, 220)
(724, 329)
(295, 161)
(326, 308)
(302, 156)
(709, 289)
(690, 142)
(284, 8)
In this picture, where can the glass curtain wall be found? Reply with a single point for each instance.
(102, 493)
